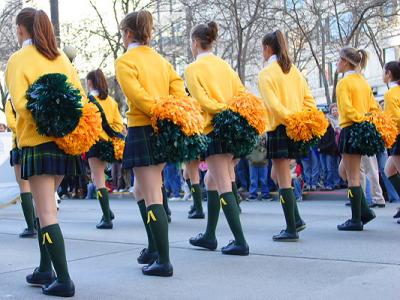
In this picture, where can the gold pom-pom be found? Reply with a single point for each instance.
(306, 125)
(119, 145)
(385, 125)
(85, 135)
(252, 109)
(182, 111)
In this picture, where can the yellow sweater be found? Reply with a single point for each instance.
(283, 94)
(11, 121)
(354, 99)
(392, 104)
(114, 118)
(145, 76)
(212, 82)
(23, 69)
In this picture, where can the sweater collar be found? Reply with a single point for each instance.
(134, 45)
(203, 54)
(393, 84)
(94, 93)
(272, 59)
(349, 73)
(26, 43)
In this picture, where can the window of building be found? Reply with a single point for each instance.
(330, 70)
(291, 4)
(389, 54)
(345, 23)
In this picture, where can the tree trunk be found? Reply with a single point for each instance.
(55, 19)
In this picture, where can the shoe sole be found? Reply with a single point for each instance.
(104, 227)
(237, 254)
(59, 295)
(301, 228)
(158, 275)
(27, 236)
(200, 246)
(285, 240)
(351, 229)
(197, 217)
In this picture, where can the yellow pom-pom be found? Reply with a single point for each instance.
(85, 135)
(182, 111)
(306, 125)
(252, 109)
(385, 125)
(119, 145)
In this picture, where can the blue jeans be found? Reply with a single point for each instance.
(368, 193)
(391, 192)
(297, 188)
(311, 168)
(329, 170)
(258, 174)
(172, 179)
(242, 173)
(91, 191)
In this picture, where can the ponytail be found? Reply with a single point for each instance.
(357, 58)
(39, 27)
(140, 23)
(206, 34)
(276, 40)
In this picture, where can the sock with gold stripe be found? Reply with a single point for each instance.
(288, 199)
(54, 241)
(102, 196)
(28, 210)
(196, 193)
(45, 261)
(231, 211)
(143, 212)
(158, 222)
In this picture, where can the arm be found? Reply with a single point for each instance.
(176, 84)
(374, 106)
(135, 93)
(117, 123)
(271, 100)
(10, 116)
(345, 105)
(196, 90)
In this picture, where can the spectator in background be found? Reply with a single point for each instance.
(242, 175)
(311, 170)
(258, 165)
(3, 127)
(172, 181)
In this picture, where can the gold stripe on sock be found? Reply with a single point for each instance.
(192, 189)
(281, 199)
(150, 215)
(223, 202)
(99, 195)
(349, 194)
(46, 236)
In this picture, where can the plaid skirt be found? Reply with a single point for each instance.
(279, 145)
(50, 160)
(215, 146)
(344, 145)
(395, 150)
(15, 157)
(138, 150)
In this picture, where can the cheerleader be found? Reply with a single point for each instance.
(355, 100)
(285, 92)
(391, 77)
(144, 76)
(212, 82)
(97, 86)
(43, 164)
(15, 162)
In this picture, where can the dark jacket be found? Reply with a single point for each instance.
(327, 144)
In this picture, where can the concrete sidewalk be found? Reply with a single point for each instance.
(325, 264)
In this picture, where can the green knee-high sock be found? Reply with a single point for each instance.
(27, 208)
(365, 209)
(213, 208)
(165, 200)
(158, 222)
(395, 181)
(355, 196)
(288, 201)
(196, 193)
(102, 196)
(45, 261)
(231, 211)
(150, 240)
(297, 217)
(54, 241)
(235, 192)
(189, 184)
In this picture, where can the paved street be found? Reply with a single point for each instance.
(325, 264)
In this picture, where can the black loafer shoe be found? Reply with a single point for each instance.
(191, 210)
(28, 233)
(285, 236)
(234, 249)
(196, 215)
(398, 221)
(169, 218)
(40, 278)
(60, 289)
(146, 257)
(368, 218)
(350, 225)
(200, 241)
(397, 215)
(104, 225)
(157, 269)
(300, 225)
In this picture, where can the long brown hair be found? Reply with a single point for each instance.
(99, 82)
(206, 34)
(394, 68)
(276, 40)
(140, 23)
(357, 58)
(39, 27)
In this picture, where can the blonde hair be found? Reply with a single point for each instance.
(357, 58)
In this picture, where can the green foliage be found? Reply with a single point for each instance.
(170, 144)
(238, 135)
(55, 105)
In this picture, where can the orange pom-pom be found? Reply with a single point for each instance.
(385, 125)
(252, 109)
(306, 125)
(85, 135)
(119, 145)
(182, 111)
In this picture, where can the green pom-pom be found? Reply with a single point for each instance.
(365, 138)
(304, 147)
(170, 144)
(105, 150)
(55, 105)
(240, 137)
